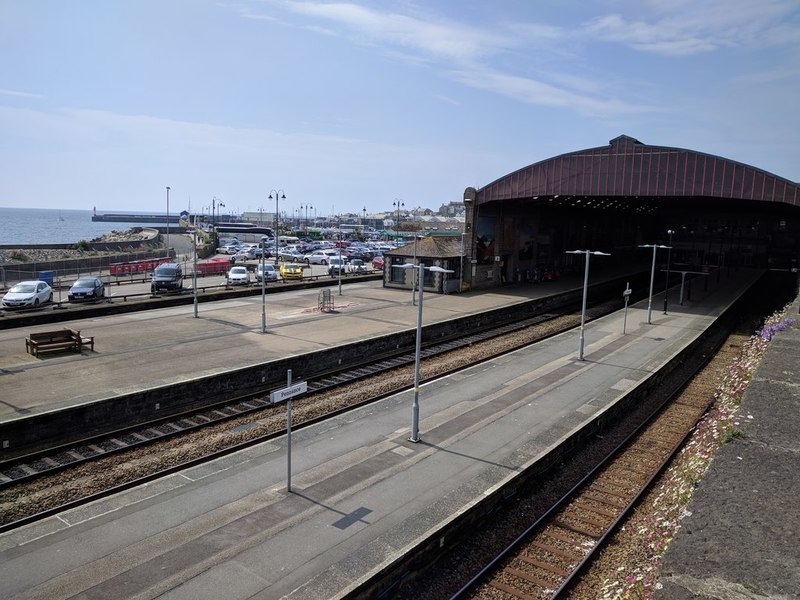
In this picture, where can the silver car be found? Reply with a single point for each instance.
(270, 273)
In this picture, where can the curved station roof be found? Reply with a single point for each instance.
(626, 168)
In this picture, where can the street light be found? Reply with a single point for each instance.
(398, 203)
(670, 233)
(167, 221)
(263, 287)
(278, 193)
(194, 270)
(652, 277)
(415, 406)
(461, 271)
(585, 292)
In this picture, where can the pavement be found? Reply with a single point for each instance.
(356, 493)
(739, 538)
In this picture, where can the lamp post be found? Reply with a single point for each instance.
(278, 193)
(167, 221)
(413, 286)
(263, 287)
(652, 277)
(194, 270)
(461, 267)
(670, 233)
(415, 406)
(585, 292)
(340, 266)
(398, 203)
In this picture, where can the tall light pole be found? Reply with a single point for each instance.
(652, 278)
(461, 278)
(398, 203)
(585, 292)
(263, 286)
(278, 193)
(415, 406)
(670, 233)
(194, 270)
(167, 221)
(341, 265)
(413, 286)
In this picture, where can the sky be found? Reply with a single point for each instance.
(346, 106)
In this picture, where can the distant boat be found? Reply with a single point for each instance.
(60, 218)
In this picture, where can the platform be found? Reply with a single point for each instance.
(361, 492)
(145, 349)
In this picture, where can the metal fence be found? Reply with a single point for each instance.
(56, 271)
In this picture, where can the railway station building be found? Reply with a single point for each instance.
(714, 213)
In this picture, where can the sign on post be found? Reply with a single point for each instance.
(288, 392)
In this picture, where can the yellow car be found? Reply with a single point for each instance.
(291, 271)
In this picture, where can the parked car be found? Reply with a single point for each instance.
(337, 267)
(356, 265)
(290, 254)
(167, 276)
(377, 262)
(238, 276)
(319, 257)
(291, 270)
(243, 255)
(230, 247)
(270, 273)
(87, 288)
(28, 293)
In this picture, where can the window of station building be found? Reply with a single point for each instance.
(398, 275)
(428, 277)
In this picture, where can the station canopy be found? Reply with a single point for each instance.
(626, 173)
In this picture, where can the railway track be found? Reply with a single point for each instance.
(51, 461)
(546, 558)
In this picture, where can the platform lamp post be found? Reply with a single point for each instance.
(263, 286)
(461, 266)
(415, 406)
(655, 247)
(340, 266)
(282, 196)
(588, 253)
(670, 233)
(167, 221)
(194, 270)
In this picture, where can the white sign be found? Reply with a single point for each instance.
(288, 392)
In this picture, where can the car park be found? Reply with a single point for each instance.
(291, 270)
(270, 272)
(28, 294)
(86, 288)
(167, 276)
(238, 276)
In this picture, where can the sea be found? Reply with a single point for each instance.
(56, 226)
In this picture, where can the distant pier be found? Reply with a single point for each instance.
(129, 218)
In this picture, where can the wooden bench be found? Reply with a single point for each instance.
(62, 339)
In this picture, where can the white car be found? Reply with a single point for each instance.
(319, 257)
(28, 293)
(238, 276)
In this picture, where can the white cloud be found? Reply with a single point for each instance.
(536, 92)
(19, 94)
(683, 28)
